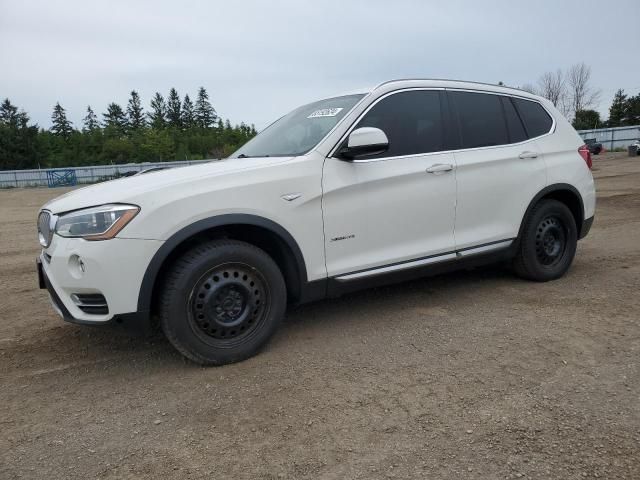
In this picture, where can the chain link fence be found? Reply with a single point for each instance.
(82, 175)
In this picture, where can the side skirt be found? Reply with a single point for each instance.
(426, 267)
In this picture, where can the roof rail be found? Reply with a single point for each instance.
(449, 80)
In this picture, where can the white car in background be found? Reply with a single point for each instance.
(412, 178)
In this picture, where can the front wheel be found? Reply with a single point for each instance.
(548, 242)
(222, 301)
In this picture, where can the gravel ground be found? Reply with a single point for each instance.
(469, 375)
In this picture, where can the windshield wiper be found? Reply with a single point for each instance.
(242, 155)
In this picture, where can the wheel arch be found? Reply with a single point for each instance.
(563, 192)
(266, 234)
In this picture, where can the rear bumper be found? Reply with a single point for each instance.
(586, 227)
(137, 321)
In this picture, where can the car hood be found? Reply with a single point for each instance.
(133, 189)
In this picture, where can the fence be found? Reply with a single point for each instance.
(610, 138)
(54, 177)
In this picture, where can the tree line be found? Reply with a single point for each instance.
(174, 128)
(572, 93)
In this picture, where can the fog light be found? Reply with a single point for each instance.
(77, 267)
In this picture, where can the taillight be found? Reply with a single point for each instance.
(586, 155)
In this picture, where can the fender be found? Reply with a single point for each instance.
(151, 274)
(556, 187)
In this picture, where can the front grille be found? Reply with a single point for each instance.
(45, 232)
(92, 303)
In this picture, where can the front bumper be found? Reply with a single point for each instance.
(586, 227)
(137, 321)
(112, 268)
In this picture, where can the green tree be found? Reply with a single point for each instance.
(632, 110)
(205, 113)
(18, 139)
(8, 113)
(586, 119)
(23, 145)
(61, 126)
(114, 120)
(136, 119)
(90, 121)
(188, 113)
(158, 114)
(174, 109)
(617, 111)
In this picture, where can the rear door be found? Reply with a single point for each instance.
(499, 169)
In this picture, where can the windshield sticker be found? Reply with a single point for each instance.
(325, 112)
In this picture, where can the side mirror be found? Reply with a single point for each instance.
(364, 141)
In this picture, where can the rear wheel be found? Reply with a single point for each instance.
(222, 301)
(548, 242)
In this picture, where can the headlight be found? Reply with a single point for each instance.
(96, 223)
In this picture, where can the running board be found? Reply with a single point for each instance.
(464, 253)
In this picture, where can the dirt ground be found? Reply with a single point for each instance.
(468, 375)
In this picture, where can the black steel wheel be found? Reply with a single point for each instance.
(551, 241)
(547, 243)
(228, 303)
(222, 301)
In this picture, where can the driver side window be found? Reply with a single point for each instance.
(412, 121)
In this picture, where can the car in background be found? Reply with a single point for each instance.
(593, 146)
(637, 145)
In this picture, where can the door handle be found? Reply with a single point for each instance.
(524, 155)
(440, 168)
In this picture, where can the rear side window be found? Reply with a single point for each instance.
(536, 119)
(514, 124)
(411, 120)
(481, 120)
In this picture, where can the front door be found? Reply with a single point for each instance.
(398, 206)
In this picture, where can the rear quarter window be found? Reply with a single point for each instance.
(536, 119)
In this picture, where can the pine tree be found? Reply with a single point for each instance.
(90, 122)
(205, 113)
(115, 120)
(188, 113)
(617, 111)
(61, 126)
(158, 115)
(174, 109)
(632, 110)
(135, 115)
(8, 113)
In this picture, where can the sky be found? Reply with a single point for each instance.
(258, 59)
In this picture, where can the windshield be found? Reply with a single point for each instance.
(299, 131)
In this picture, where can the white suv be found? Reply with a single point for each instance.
(411, 178)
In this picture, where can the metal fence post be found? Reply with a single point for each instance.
(613, 135)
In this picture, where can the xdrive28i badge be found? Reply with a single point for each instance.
(343, 237)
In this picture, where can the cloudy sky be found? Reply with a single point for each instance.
(260, 59)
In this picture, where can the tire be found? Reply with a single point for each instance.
(548, 242)
(222, 301)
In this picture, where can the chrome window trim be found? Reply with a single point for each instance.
(440, 152)
(366, 110)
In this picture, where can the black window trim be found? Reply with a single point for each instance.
(444, 114)
(500, 94)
